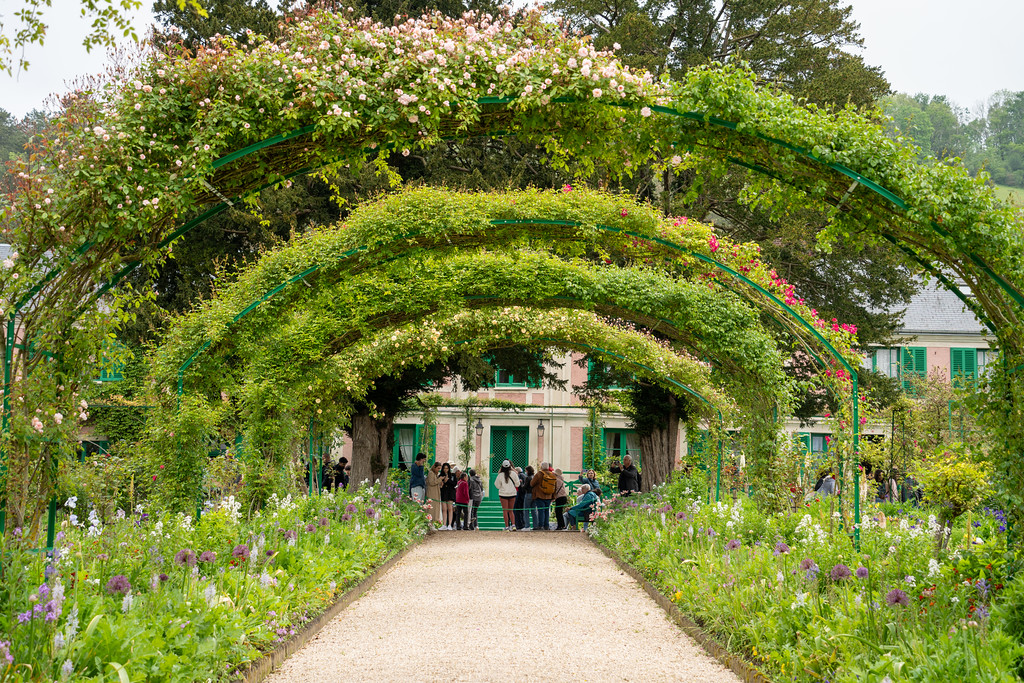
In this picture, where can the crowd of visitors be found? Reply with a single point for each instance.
(527, 496)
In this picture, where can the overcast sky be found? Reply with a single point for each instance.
(965, 50)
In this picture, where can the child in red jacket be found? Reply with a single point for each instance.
(462, 503)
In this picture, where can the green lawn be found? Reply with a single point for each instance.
(1011, 195)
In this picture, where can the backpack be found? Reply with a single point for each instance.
(547, 485)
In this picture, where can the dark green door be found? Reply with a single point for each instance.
(508, 442)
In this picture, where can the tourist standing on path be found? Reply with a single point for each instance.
(476, 496)
(543, 485)
(629, 476)
(462, 502)
(561, 499)
(447, 497)
(583, 508)
(434, 492)
(327, 474)
(507, 483)
(341, 475)
(527, 510)
(418, 479)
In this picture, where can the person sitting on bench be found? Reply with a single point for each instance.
(582, 510)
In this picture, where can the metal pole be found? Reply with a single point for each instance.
(51, 523)
(856, 463)
(6, 437)
(718, 480)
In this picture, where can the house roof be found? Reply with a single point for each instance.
(936, 310)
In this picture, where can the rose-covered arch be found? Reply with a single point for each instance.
(273, 403)
(104, 193)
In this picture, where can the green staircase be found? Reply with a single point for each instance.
(489, 515)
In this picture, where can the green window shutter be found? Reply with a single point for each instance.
(963, 366)
(913, 362)
(805, 441)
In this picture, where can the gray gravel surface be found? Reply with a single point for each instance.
(503, 606)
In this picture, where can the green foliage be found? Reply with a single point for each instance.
(1009, 615)
(255, 582)
(793, 613)
(952, 480)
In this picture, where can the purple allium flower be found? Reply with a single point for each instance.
(897, 597)
(680, 515)
(323, 521)
(163, 577)
(118, 584)
(208, 556)
(733, 544)
(780, 549)
(712, 533)
(241, 552)
(840, 572)
(310, 528)
(370, 512)
(350, 508)
(862, 572)
(185, 558)
(346, 517)
(291, 535)
(807, 564)
(103, 557)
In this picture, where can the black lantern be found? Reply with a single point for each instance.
(540, 428)
(479, 427)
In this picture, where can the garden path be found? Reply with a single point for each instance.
(498, 606)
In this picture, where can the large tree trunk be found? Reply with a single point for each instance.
(658, 450)
(372, 440)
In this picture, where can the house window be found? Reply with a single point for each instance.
(618, 443)
(819, 443)
(984, 359)
(601, 369)
(504, 378)
(884, 361)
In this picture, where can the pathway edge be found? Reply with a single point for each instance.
(736, 664)
(265, 665)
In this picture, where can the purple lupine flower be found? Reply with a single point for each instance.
(897, 597)
(840, 572)
(780, 549)
(44, 590)
(241, 552)
(982, 586)
(49, 571)
(5, 651)
(862, 572)
(207, 556)
(24, 616)
(733, 544)
(980, 612)
(185, 558)
(118, 584)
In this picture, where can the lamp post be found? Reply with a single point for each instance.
(540, 439)
(479, 440)
(479, 427)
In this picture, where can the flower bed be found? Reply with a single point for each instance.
(791, 594)
(174, 599)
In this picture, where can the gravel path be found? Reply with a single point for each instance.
(447, 612)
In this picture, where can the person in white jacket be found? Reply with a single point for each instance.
(507, 482)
